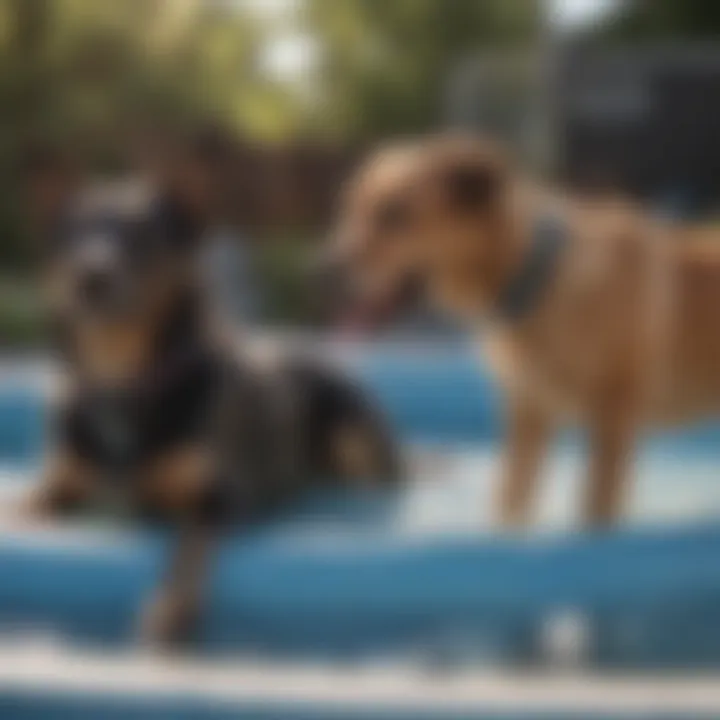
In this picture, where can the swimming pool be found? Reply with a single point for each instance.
(424, 572)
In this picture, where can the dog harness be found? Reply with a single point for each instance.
(526, 288)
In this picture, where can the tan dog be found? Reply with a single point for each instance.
(595, 315)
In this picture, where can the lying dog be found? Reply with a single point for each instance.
(592, 312)
(163, 414)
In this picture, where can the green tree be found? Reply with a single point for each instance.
(86, 73)
(666, 19)
(385, 63)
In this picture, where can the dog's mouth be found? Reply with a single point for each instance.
(373, 313)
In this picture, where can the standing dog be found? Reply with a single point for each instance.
(162, 413)
(592, 311)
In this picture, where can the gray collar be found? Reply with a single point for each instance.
(525, 289)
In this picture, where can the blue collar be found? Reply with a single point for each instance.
(522, 293)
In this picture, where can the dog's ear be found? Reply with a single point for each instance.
(473, 178)
(190, 185)
(473, 185)
(49, 181)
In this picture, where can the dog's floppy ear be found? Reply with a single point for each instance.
(190, 187)
(472, 177)
(473, 185)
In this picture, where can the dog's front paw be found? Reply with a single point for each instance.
(167, 621)
(27, 510)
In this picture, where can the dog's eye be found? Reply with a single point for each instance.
(392, 216)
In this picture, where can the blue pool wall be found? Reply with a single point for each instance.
(649, 597)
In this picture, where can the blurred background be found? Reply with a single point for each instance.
(607, 94)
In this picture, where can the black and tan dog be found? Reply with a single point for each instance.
(162, 412)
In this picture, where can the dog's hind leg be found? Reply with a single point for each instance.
(529, 427)
(612, 437)
(364, 449)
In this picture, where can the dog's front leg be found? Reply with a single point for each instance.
(172, 614)
(613, 428)
(613, 431)
(529, 427)
(179, 486)
(66, 484)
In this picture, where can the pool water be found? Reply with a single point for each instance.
(428, 570)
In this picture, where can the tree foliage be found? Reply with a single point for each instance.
(385, 63)
(667, 20)
(89, 73)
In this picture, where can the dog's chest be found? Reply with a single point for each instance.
(559, 374)
(118, 430)
(561, 354)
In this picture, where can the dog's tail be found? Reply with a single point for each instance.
(345, 434)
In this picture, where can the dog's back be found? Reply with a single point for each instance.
(343, 433)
